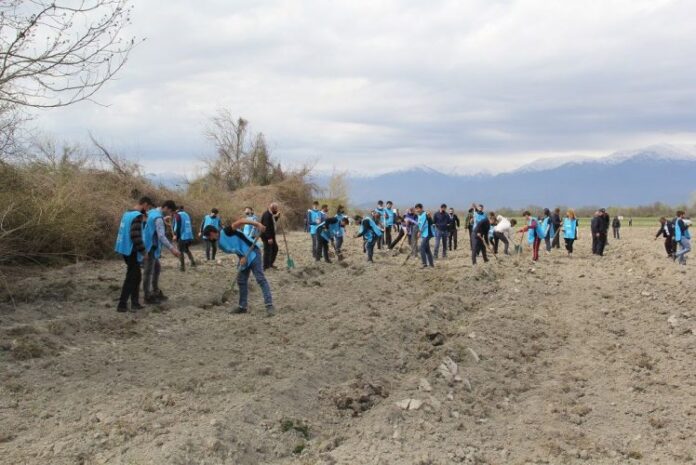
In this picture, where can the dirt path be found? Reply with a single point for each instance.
(566, 361)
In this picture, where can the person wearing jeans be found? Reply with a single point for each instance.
(233, 241)
(682, 236)
(452, 233)
(155, 238)
(442, 225)
(425, 233)
(370, 232)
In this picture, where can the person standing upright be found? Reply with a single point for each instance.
(453, 227)
(389, 217)
(425, 233)
(556, 222)
(183, 235)
(534, 233)
(442, 226)
(314, 219)
(131, 246)
(268, 236)
(616, 227)
(599, 233)
(570, 231)
(682, 236)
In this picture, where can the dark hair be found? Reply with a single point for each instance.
(214, 210)
(245, 208)
(680, 212)
(181, 207)
(208, 230)
(146, 200)
(324, 206)
(513, 222)
(169, 204)
(491, 214)
(316, 202)
(526, 213)
(389, 201)
(419, 205)
(380, 202)
(444, 205)
(547, 211)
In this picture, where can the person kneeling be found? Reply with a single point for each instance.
(233, 241)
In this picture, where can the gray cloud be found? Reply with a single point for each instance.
(379, 85)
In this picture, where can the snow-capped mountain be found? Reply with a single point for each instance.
(657, 173)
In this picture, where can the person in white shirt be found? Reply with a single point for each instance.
(502, 232)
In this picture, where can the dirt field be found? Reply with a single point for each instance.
(583, 360)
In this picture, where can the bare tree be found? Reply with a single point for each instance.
(229, 136)
(11, 120)
(57, 52)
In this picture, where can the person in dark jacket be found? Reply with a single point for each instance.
(607, 225)
(556, 221)
(268, 237)
(682, 236)
(442, 221)
(469, 224)
(667, 231)
(479, 237)
(130, 245)
(453, 227)
(599, 227)
(616, 227)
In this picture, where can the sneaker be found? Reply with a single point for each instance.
(270, 311)
(122, 309)
(152, 300)
(238, 311)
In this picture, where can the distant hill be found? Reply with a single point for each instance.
(657, 173)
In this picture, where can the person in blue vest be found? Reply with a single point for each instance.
(154, 237)
(314, 218)
(131, 246)
(480, 235)
(534, 233)
(337, 230)
(249, 229)
(478, 214)
(570, 230)
(182, 231)
(381, 212)
(547, 229)
(425, 232)
(211, 219)
(682, 236)
(233, 241)
(442, 226)
(370, 232)
(389, 221)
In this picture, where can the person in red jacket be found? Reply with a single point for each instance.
(533, 237)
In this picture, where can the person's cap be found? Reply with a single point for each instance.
(603, 210)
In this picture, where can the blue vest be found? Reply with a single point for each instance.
(186, 228)
(423, 225)
(249, 229)
(679, 233)
(336, 229)
(569, 228)
(210, 221)
(312, 217)
(150, 232)
(373, 231)
(478, 216)
(531, 232)
(546, 228)
(389, 216)
(124, 244)
(237, 244)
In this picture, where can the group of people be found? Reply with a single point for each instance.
(486, 231)
(142, 234)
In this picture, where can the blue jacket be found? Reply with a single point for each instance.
(239, 244)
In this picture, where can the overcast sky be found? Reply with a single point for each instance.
(374, 85)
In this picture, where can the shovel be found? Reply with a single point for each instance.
(290, 262)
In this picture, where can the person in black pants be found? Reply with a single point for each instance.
(616, 227)
(599, 229)
(556, 221)
(130, 244)
(268, 237)
(667, 231)
(453, 226)
(479, 236)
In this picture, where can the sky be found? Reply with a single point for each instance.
(380, 85)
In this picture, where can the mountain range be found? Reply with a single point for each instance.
(657, 173)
